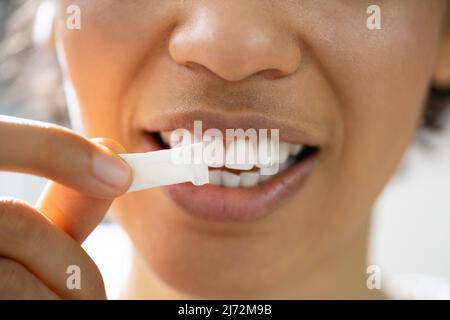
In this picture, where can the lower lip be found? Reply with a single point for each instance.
(222, 204)
(241, 204)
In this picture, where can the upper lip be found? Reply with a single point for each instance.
(287, 132)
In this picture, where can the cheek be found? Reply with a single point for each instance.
(103, 59)
(94, 71)
(381, 78)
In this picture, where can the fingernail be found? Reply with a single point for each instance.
(110, 170)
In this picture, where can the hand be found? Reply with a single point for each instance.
(38, 244)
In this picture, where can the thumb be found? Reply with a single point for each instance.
(74, 212)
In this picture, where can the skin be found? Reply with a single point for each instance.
(315, 65)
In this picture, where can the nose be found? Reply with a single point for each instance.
(235, 42)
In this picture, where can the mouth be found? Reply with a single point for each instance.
(239, 193)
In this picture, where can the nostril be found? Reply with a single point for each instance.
(190, 64)
(272, 74)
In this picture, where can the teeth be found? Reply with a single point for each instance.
(295, 149)
(230, 180)
(249, 179)
(270, 170)
(263, 178)
(240, 155)
(214, 152)
(215, 177)
(232, 159)
(165, 137)
(284, 151)
(246, 179)
(268, 150)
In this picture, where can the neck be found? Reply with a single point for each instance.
(339, 275)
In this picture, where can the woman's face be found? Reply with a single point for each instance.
(310, 68)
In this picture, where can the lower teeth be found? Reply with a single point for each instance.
(244, 179)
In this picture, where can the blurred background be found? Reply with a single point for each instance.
(411, 223)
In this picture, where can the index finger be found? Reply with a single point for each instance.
(61, 155)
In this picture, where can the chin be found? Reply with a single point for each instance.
(206, 259)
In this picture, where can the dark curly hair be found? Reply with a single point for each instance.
(19, 61)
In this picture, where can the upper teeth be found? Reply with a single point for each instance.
(247, 178)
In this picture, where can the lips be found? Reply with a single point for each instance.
(237, 193)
